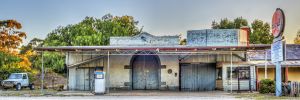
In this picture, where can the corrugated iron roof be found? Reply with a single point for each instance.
(292, 53)
(284, 63)
(146, 48)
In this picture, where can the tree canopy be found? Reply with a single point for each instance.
(297, 39)
(89, 32)
(93, 31)
(260, 31)
(228, 24)
(10, 35)
(10, 59)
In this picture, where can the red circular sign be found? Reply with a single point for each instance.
(278, 22)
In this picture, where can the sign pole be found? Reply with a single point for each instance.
(278, 79)
(277, 49)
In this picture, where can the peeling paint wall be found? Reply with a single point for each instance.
(171, 79)
(144, 39)
(216, 37)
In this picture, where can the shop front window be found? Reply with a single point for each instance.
(239, 72)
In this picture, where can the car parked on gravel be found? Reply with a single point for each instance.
(17, 80)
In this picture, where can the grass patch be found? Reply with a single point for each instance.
(27, 92)
(258, 96)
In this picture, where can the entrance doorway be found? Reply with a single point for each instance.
(145, 72)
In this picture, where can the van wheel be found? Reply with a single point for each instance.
(18, 87)
(31, 87)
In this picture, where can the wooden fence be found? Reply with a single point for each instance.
(291, 89)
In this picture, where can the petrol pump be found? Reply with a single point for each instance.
(99, 80)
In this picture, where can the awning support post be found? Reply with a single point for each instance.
(108, 74)
(266, 64)
(286, 74)
(230, 72)
(42, 76)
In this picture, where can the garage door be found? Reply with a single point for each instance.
(198, 77)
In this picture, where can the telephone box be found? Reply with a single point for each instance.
(99, 81)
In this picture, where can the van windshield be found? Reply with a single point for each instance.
(15, 76)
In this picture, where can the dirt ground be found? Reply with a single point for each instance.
(51, 80)
(50, 94)
(116, 95)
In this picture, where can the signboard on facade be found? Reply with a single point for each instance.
(215, 37)
(277, 50)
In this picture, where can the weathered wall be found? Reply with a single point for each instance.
(293, 73)
(144, 39)
(171, 79)
(261, 73)
(120, 77)
(243, 37)
(216, 37)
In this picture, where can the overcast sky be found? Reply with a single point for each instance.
(159, 17)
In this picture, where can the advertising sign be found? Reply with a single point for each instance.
(278, 22)
(277, 47)
(277, 50)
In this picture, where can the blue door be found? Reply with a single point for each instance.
(145, 72)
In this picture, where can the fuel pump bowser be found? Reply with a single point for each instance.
(99, 81)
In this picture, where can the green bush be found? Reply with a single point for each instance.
(267, 86)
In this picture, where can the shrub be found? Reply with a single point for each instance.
(267, 86)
